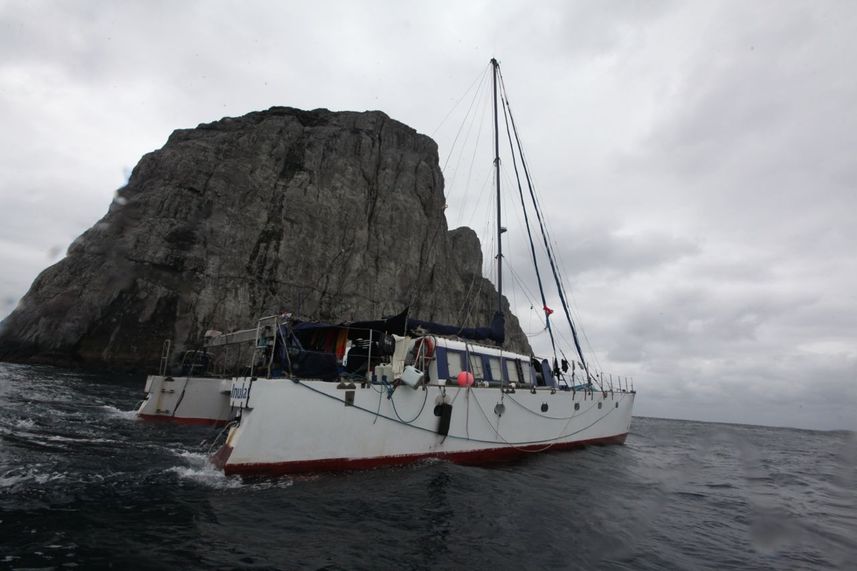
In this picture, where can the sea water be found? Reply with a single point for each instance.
(84, 484)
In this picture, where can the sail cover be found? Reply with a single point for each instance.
(403, 325)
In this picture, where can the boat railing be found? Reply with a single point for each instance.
(194, 361)
(165, 357)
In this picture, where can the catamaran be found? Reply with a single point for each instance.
(320, 397)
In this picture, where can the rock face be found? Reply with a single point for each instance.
(335, 216)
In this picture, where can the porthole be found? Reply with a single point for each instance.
(617, 405)
(577, 406)
(599, 405)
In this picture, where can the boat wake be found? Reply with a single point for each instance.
(200, 471)
(114, 412)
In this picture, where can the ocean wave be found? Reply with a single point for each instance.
(49, 438)
(15, 478)
(25, 423)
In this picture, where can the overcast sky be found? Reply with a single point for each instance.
(697, 159)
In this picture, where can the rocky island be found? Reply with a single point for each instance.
(332, 215)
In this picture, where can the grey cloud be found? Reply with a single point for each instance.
(761, 127)
(618, 252)
(612, 254)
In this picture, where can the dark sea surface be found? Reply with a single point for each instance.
(83, 484)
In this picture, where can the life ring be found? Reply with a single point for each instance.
(425, 347)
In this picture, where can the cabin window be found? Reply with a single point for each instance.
(494, 368)
(512, 371)
(455, 362)
(527, 376)
(476, 366)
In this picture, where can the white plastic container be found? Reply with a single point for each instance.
(412, 376)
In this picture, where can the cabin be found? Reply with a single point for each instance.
(442, 359)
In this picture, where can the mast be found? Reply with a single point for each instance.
(500, 228)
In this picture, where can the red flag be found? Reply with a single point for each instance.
(548, 310)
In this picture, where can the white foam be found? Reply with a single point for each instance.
(9, 481)
(194, 458)
(202, 471)
(74, 440)
(31, 476)
(209, 476)
(117, 413)
(281, 482)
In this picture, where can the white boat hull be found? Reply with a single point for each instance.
(309, 426)
(187, 400)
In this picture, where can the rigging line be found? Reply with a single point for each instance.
(576, 314)
(553, 249)
(483, 190)
(464, 121)
(475, 149)
(556, 252)
(592, 349)
(470, 300)
(597, 367)
(530, 297)
(466, 186)
(471, 304)
(478, 79)
(509, 206)
(527, 221)
(533, 334)
(460, 314)
(488, 238)
(561, 263)
(545, 238)
(481, 111)
(418, 285)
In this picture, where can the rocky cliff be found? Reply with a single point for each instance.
(336, 216)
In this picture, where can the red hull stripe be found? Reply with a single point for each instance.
(484, 456)
(182, 420)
